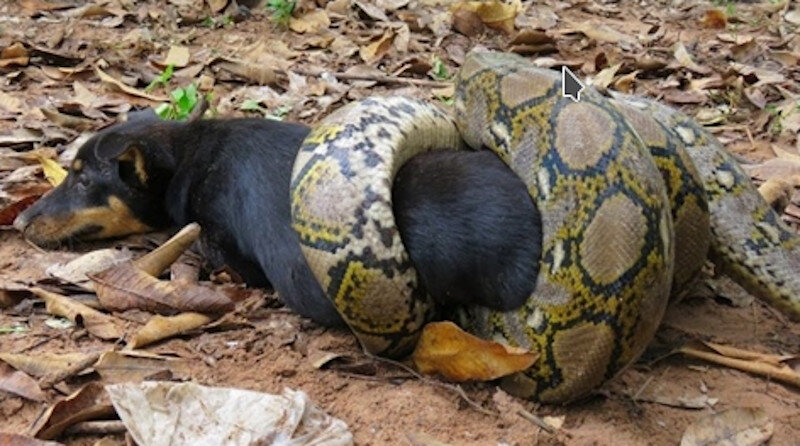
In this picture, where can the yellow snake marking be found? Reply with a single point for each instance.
(321, 225)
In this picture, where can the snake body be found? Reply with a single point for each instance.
(748, 239)
(622, 185)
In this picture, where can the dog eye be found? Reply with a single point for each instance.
(83, 180)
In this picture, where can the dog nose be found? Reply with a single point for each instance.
(21, 222)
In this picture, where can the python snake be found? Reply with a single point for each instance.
(632, 195)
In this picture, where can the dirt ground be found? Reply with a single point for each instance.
(735, 68)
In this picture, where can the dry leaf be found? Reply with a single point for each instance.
(101, 325)
(376, 50)
(715, 19)
(10, 103)
(684, 59)
(321, 358)
(493, 13)
(39, 365)
(53, 172)
(80, 406)
(783, 368)
(160, 413)
(603, 33)
(160, 327)
(778, 192)
(21, 440)
(75, 270)
(402, 38)
(446, 349)
(258, 72)
(391, 5)
(604, 78)
(763, 76)
(19, 383)
(37, 6)
(625, 83)
(531, 37)
(126, 287)
(119, 85)
(14, 55)
(371, 10)
(130, 366)
(739, 426)
(311, 22)
(775, 168)
(467, 22)
(444, 92)
(67, 121)
(178, 56)
(793, 17)
(9, 213)
(684, 97)
(217, 5)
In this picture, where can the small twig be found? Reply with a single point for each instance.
(639, 392)
(769, 371)
(536, 420)
(96, 428)
(45, 339)
(750, 137)
(51, 380)
(35, 246)
(381, 78)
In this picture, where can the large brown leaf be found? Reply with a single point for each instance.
(160, 327)
(82, 405)
(126, 287)
(19, 383)
(101, 325)
(447, 350)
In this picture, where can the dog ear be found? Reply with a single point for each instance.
(132, 166)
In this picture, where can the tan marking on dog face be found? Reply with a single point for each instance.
(77, 165)
(135, 156)
(115, 220)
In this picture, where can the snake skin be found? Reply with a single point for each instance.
(342, 211)
(607, 231)
(632, 194)
(749, 241)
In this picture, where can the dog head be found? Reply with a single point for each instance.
(113, 188)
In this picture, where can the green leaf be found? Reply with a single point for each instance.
(162, 78)
(440, 70)
(5, 329)
(163, 110)
(279, 113)
(281, 10)
(251, 105)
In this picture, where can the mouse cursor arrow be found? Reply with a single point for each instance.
(571, 86)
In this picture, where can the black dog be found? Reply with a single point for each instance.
(471, 229)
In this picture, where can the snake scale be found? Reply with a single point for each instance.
(633, 196)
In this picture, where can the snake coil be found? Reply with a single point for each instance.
(631, 195)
